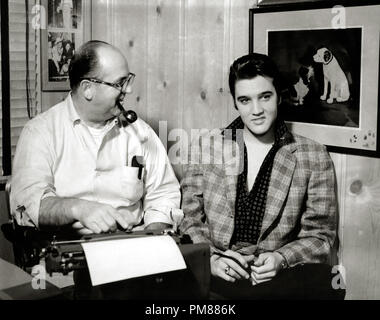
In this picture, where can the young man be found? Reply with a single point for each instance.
(271, 226)
(74, 164)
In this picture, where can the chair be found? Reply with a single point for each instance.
(26, 241)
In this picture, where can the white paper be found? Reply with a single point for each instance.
(115, 260)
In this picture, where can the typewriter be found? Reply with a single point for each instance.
(68, 255)
(62, 248)
(63, 253)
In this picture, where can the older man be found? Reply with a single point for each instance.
(77, 164)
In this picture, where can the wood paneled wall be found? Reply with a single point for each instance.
(360, 225)
(181, 51)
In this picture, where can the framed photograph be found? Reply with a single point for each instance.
(69, 26)
(328, 57)
(65, 14)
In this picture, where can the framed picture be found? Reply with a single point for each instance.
(328, 57)
(68, 26)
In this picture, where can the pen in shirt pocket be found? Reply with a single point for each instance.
(137, 162)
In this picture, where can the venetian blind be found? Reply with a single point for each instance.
(20, 90)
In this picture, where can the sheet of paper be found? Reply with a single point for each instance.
(115, 260)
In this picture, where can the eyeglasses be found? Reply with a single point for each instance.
(121, 86)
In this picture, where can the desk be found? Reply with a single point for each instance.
(16, 284)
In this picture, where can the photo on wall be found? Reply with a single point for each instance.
(61, 49)
(330, 70)
(69, 26)
(321, 69)
(66, 14)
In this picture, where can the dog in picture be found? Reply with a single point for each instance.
(302, 86)
(333, 75)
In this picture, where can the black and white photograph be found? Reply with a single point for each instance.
(68, 27)
(66, 14)
(321, 70)
(329, 65)
(190, 159)
(61, 49)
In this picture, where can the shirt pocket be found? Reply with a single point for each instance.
(120, 186)
(131, 186)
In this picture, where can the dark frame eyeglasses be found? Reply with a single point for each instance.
(121, 86)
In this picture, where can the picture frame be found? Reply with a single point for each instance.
(328, 54)
(68, 27)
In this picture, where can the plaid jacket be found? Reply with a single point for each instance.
(300, 216)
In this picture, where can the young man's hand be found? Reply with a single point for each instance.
(266, 267)
(232, 267)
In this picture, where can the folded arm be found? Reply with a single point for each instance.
(94, 217)
(34, 201)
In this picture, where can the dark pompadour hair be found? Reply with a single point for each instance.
(85, 63)
(251, 66)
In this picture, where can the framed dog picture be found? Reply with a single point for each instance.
(68, 26)
(328, 57)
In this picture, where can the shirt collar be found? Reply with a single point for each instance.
(282, 134)
(72, 112)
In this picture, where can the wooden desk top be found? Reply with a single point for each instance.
(11, 275)
(16, 284)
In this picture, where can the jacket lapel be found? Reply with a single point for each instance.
(231, 162)
(230, 183)
(282, 174)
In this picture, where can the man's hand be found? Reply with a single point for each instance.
(78, 227)
(219, 266)
(266, 267)
(96, 217)
(84, 216)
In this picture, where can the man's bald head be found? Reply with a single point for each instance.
(87, 62)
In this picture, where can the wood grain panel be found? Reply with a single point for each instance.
(102, 11)
(361, 230)
(130, 36)
(165, 68)
(238, 43)
(124, 24)
(204, 105)
(164, 62)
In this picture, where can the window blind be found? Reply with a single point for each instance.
(20, 90)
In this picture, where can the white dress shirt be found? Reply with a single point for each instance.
(57, 156)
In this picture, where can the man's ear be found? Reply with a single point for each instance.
(87, 90)
(279, 100)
